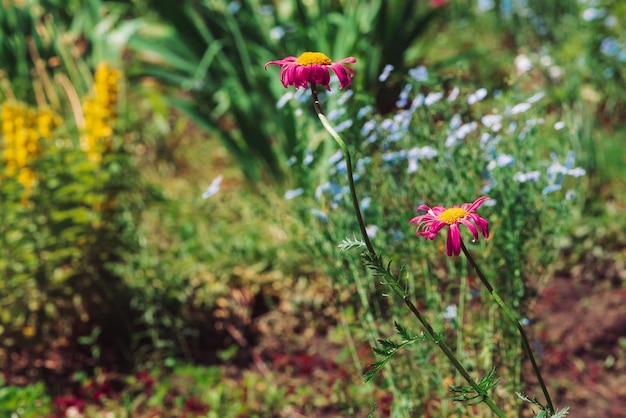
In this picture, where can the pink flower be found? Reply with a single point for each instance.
(313, 67)
(437, 3)
(429, 224)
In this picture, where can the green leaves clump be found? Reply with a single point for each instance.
(469, 395)
(389, 348)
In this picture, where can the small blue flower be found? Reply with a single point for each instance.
(233, 7)
(290, 194)
(524, 177)
(609, 46)
(335, 114)
(593, 13)
(419, 73)
(364, 111)
(284, 99)
(277, 33)
(395, 235)
(520, 108)
(536, 97)
(266, 10)
(403, 98)
(477, 96)
(576, 172)
(344, 125)
(365, 203)
(213, 188)
(551, 188)
(433, 98)
(485, 5)
(450, 313)
(389, 125)
(308, 159)
(417, 102)
(371, 230)
(368, 127)
(336, 157)
(455, 122)
(492, 121)
(345, 96)
(453, 94)
(322, 216)
(385, 74)
(362, 162)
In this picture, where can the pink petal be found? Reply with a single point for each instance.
(284, 61)
(453, 243)
(349, 59)
(481, 223)
(422, 207)
(344, 74)
(471, 227)
(476, 204)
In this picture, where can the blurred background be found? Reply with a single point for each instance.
(170, 213)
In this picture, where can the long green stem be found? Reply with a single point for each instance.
(396, 287)
(496, 296)
(346, 153)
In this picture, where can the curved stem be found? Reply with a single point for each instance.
(496, 296)
(396, 287)
(346, 153)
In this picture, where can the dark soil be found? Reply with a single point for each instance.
(581, 338)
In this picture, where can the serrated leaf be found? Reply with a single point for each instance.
(349, 244)
(560, 414)
(388, 344)
(404, 333)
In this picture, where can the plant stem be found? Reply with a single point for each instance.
(395, 285)
(346, 153)
(496, 296)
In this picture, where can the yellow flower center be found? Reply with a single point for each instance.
(310, 58)
(452, 215)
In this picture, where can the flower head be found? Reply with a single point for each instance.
(313, 67)
(429, 224)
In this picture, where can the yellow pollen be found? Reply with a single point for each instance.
(452, 215)
(310, 58)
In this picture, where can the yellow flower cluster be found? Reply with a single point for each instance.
(99, 111)
(22, 129)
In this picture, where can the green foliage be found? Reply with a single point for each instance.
(468, 395)
(95, 242)
(216, 51)
(24, 402)
(57, 246)
(389, 348)
(407, 160)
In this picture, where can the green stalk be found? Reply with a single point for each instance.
(346, 153)
(496, 296)
(396, 287)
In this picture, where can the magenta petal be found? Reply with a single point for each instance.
(471, 227)
(351, 60)
(481, 223)
(477, 203)
(422, 207)
(344, 74)
(453, 243)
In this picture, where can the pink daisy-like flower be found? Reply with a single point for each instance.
(429, 224)
(313, 67)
